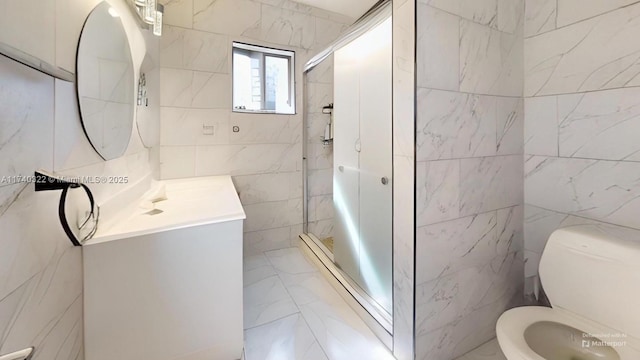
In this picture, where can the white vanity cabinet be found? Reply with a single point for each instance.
(166, 282)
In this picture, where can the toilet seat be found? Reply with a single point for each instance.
(512, 324)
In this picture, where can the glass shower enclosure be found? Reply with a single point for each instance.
(348, 163)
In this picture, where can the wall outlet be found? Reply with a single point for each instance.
(208, 130)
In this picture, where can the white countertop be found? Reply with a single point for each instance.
(190, 202)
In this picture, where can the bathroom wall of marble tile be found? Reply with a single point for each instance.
(40, 272)
(265, 156)
(404, 145)
(469, 172)
(319, 155)
(582, 114)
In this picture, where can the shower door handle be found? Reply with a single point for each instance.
(384, 180)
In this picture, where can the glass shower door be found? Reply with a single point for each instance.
(363, 162)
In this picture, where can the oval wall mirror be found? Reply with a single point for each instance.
(105, 82)
(148, 103)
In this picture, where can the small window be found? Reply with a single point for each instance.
(263, 80)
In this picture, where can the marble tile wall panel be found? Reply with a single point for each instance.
(510, 126)
(541, 126)
(214, 16)
(322, 73)
(451, 297)
(438, 33)
(510, 230)
(257, 242)
(266, 129)
(40, 40)
(327, 30)
(194, 50)
(40, 275)
(178, 13)
(483, 12)
(40, 281)
(194, 89)
(271, 215)
(289, 27)
(490, 60)
(600, 125)
(254, 189)
(454, 125)
(177, 162)
(439, 191)
(490, 183)
(510, 15)
(245, 159)
(502, 15)
(321, 207)
(595, 54)
(319, 156)
(597, 189)
(472, 241)
(540, 16)
(462, 335)
(581, 156)
(404, 187)
(468, 242)
(196, 75)
(320, 182)
(184, 126)
(571, 11)
(319, 95)
(469, 191)
(307, 9)
(27, 125)
(452, 7)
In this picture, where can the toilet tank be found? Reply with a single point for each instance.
(594, 271)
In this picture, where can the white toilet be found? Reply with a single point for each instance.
(591, 275)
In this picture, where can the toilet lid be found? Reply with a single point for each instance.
(593, 271)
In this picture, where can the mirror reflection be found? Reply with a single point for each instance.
(105, 81)
(148, 103)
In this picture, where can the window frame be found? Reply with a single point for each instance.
(264, 52)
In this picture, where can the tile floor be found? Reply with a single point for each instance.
(488, 351)
(291, 312)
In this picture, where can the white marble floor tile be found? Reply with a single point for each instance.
(488, 351)
(297, 314)
(265, 301)
(290, 261)
(256, 268)
(310, 287)
(342, 334)
(287, 338)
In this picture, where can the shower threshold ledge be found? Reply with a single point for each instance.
(376, 318)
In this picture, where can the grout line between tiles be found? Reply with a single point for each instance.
(286, 287)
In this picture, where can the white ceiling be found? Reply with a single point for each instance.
(351, 8)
